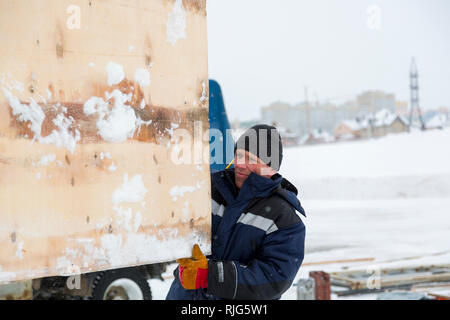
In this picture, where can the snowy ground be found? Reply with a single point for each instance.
(385, 200)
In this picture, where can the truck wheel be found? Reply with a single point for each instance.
(121, 284)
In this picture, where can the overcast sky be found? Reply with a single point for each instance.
(262, 51)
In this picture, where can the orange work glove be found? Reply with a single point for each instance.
(193, 272)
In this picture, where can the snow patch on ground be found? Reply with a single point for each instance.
(394, 166)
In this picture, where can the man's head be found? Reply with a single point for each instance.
(258, 150)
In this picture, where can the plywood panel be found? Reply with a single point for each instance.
(93, 97)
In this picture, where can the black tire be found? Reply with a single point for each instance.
(103, 280)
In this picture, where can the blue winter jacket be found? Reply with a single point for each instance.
(257, 240)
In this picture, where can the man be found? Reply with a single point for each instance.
(257, 238)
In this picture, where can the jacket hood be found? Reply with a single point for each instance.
(289, 192)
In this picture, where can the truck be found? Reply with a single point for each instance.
(106, 109)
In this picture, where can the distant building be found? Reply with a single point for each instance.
(382, 123)
(284, 115)
(317, 136)
(373, 125)
(303, 118)
(319, 117)
(436, 118)
(236, 124)
(348, 130)
(348, 110)
(402, 108)
(399, 124)
(444, 110)
(373, 101)
(288, 138)
(429, 114)
(439, 121)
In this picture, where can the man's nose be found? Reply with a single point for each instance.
(240, 163)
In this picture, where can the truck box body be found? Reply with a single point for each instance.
(101, 103)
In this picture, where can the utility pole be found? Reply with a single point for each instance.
(414, 89)
(308, 110)
(305, 88)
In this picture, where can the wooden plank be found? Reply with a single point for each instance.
(338, 261)
(411, 269)
(89, 115)
(415, 279)
(357, 280)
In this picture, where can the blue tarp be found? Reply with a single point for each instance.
(222, 148)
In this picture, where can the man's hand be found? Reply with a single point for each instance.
(193, 272)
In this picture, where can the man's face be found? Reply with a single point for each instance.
(246, 163)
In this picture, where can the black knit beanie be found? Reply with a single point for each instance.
(263, 141)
